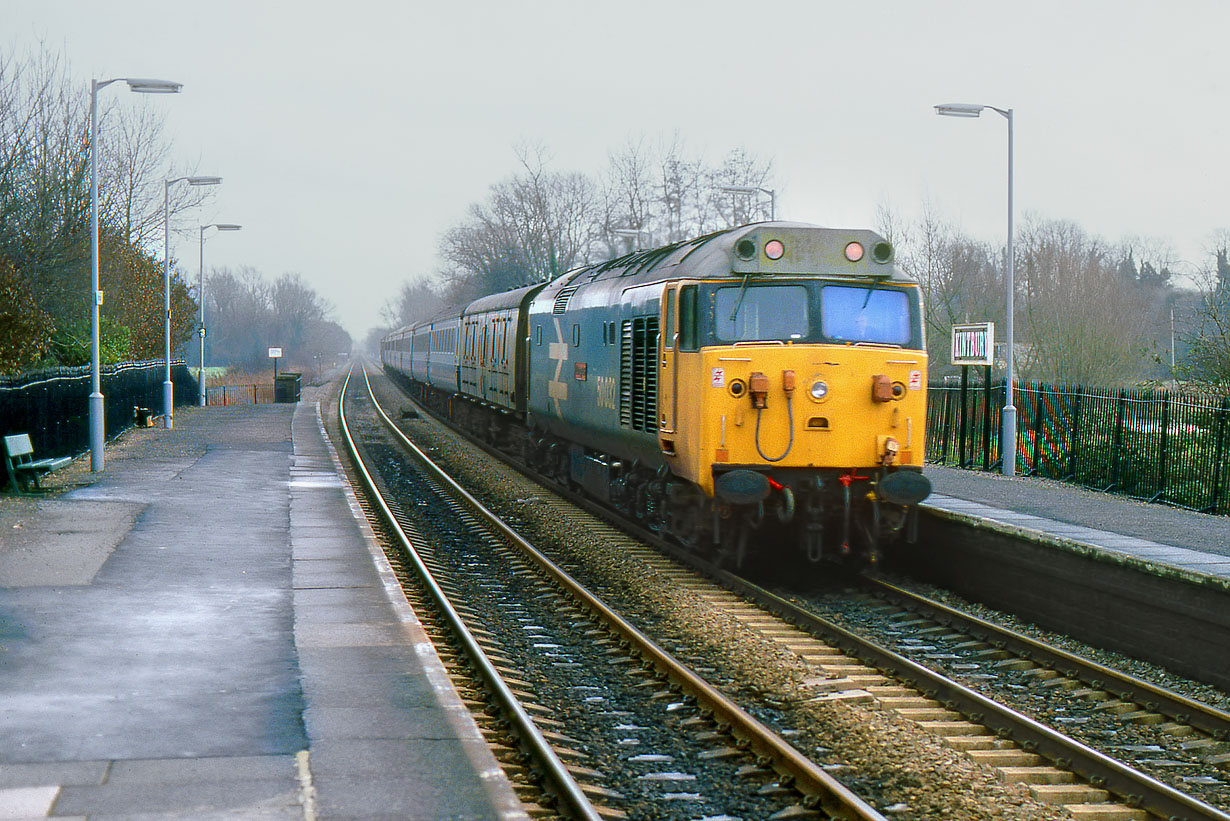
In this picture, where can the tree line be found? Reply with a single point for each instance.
(45, 225)
(247, 314)
(541, 222)
(1086, 312)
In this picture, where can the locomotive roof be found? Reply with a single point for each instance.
(733, 252)
(803, 249)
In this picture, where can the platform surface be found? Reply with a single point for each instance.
(1195, 543)
(207, 629)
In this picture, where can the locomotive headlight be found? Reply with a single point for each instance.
(819, 390)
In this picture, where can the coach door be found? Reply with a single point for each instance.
(667, 387)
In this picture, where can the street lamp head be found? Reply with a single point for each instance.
(739, 189)
(226, 226)
(203, 180)
(959, 110)
(148, 86)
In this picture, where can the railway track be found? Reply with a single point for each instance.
(1057, 768)
(579, 669)
(1019, 748)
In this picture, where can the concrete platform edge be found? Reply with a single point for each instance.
(1094, 552)
(503, 798)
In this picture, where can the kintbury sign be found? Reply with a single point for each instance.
(973, 344)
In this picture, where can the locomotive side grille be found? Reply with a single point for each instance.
(625, 374)
(561, 299)
(638, 374)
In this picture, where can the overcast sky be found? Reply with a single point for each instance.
(351, 134)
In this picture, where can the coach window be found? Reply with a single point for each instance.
(687, 318)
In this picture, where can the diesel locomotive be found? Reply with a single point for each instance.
(756, 388)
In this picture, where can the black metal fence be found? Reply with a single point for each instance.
(53, 405)
(1156, 445)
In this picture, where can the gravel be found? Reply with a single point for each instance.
(908, 772)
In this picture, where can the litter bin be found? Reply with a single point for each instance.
(286, 387)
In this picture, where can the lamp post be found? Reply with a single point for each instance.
(97, 425)
(1008, 434)
(168, 389)
(221, 226)
(754, 189)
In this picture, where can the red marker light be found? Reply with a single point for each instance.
(854, 251)
(773, 249)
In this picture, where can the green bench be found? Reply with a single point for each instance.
(22, 468)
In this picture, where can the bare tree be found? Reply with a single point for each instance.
(686, 206)
(665, 195)
(628, 198)
(135, 161)
(740, 168)
(540, 223)
(45, 197)
(958, 277)
(416, 300)
(533, 226)
(1082, 320)
(247, 314)
(1208, 361)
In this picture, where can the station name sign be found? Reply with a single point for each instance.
(973, 344)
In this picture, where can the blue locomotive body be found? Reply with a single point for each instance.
(664, 383)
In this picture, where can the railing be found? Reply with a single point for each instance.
(239, 394)
(53, 405)
(1155, 445)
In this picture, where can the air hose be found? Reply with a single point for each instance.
(789, 445)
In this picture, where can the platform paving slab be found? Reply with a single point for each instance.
(207, 629)
(1193, 542)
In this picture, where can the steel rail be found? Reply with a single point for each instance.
(1196, 714)
(1099, 769)
(1133, 786)
(566, 788)
(835, 798)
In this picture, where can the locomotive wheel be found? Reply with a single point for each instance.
(687, 519)
(733, 552)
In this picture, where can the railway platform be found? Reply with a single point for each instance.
(208, 629)
(1168, 538)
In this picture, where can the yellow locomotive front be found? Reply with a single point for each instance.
(792, 393)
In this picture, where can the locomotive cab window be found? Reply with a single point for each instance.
(668, 314)
(761, 312)
(687, 319)
(853, 314)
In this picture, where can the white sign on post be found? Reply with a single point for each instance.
(275, 353)
(973, 344)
